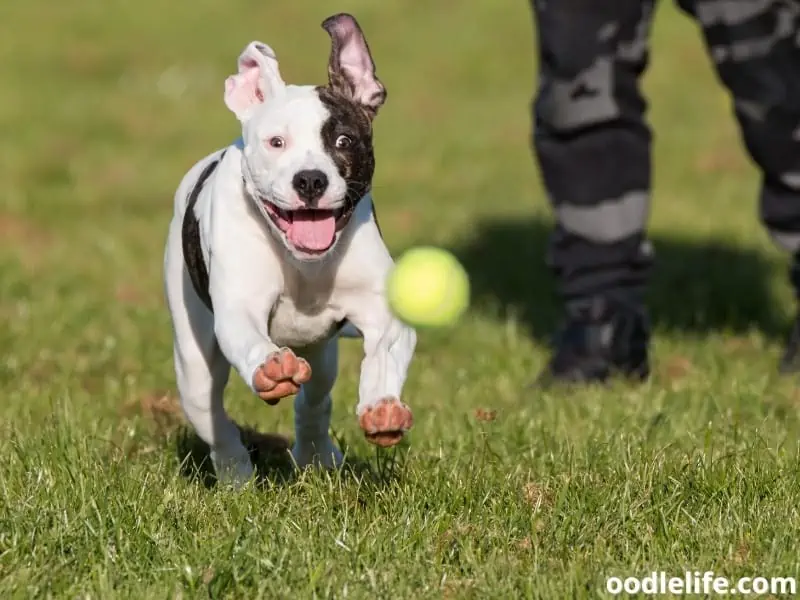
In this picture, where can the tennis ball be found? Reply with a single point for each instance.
(428, 287)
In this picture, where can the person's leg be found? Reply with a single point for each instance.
(592, 144)
(755, 46)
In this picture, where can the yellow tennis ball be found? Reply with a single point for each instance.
(428, 287)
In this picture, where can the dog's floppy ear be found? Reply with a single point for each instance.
(351, 71)
(258, 79)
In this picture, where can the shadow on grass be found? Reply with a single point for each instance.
(696, 287)
(274, 466)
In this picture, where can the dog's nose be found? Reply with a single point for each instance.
(310, 184)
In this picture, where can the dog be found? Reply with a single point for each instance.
(274, 253)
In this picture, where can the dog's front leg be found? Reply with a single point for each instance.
(388, 348)
(241, 328)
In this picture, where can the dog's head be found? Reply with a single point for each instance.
(308, 156)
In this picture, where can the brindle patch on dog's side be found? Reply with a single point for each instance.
(190, 234)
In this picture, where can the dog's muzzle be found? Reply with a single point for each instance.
(309, 230)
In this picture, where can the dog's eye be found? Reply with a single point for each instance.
(277, 142)
(343, 141)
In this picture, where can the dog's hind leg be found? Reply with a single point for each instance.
(202, 372)
(312, 409)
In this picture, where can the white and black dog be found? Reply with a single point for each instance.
(274, 252)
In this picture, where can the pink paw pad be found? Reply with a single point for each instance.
(385, 423)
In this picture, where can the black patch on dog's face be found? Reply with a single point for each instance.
(355, 163)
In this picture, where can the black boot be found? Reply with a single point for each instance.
(601, 337)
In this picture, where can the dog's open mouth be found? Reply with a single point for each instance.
(312, 230)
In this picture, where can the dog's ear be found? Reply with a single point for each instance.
(258, 80)
(351, 71)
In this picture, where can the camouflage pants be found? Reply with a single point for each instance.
(593, 145)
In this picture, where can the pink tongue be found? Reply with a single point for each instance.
(312, 229)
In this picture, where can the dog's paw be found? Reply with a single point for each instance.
(386, 422)
(281, 375)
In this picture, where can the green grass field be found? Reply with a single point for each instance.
(498, 492)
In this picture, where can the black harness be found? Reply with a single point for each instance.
(190, 234)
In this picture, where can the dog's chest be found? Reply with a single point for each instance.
(298, 323)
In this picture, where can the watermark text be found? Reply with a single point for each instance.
(701, 583)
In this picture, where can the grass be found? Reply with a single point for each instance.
(499, 492)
